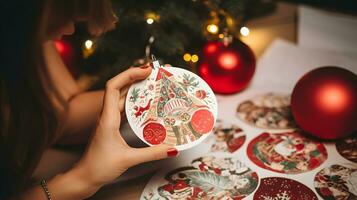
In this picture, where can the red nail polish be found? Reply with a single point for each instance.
(172, 152)
(144, 66)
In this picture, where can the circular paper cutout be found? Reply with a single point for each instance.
(207, 177)
(337, 182)
(227, 137)
(347, 148)
(270, 111)
(176, 102)
(288, 152)
(283, 188)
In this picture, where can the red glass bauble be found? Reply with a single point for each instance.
(324, 102)
(227, 67)
(63, 47)
(68, 54)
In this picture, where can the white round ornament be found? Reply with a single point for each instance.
(172, 106)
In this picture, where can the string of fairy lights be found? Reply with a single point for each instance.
(212, 28)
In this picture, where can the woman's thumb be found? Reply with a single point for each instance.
(146, 154)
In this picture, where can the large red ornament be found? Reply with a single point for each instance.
(324, 102)
(227, 66)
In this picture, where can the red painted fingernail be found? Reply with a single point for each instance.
(144, 66)
(172, 152)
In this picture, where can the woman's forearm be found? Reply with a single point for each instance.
(74, 184)
(81, 117)
(84, 107)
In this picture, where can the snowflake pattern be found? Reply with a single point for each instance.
(280, 196)
(278, 188)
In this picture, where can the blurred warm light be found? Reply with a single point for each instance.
(88, 44)
(149, 20)
(333, 98)
(187, 57)
(88, 48)
(221, 35)
(244, 31)
(212, 28)
(211, 48)
(194, 58)
(204, 69)
(152, 17)
(228, 60)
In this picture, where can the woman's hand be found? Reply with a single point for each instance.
(108, 155)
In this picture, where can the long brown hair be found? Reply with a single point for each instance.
(29, 121)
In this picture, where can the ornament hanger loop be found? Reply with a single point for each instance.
(155, 63)
(228, 38)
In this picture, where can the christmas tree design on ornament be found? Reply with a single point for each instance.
(172, 106)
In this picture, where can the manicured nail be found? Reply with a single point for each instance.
(172, 152)
(144, 66)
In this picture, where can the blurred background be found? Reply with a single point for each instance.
(176, 32)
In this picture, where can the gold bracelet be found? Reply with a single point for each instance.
(45, 189)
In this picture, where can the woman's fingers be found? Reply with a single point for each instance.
(146, 154)
(121, 104)
(110, 116)
(112, 95)
(129, 76)
(124, 91)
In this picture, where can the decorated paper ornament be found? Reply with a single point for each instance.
(337, 182)
(324, 102)
(268, 111)
(227, 66)
(288, 152)
(347, 148)
(228, 137)
(207, 177)
(172, 106)
(279, 188)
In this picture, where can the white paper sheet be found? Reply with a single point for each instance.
(227, 107)
(278, 70)
(284, 63)
(327, 31)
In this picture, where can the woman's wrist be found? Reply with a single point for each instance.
(73, 184)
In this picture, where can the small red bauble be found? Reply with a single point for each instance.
(227, 67)
(324, 102)
(66, 51)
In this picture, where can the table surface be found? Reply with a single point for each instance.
(280, 24)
